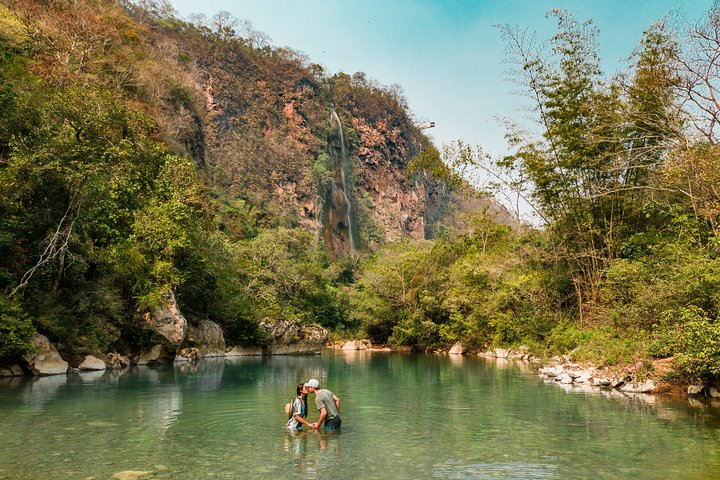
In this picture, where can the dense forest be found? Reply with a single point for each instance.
(141, 153)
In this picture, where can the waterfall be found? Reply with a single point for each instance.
(343, 181)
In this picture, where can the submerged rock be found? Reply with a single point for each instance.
(131, 474)
(45, 360)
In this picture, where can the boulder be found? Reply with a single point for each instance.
(457, 349)
(564, 379)
(501, 353)
(617, 383)
(12, 371)
(695, 389)
(114, 360)
(208, 337)
(289, 338)
(92, 363)
(356, 345)
(552, 371)
(167, 322)
(45, 360)
(156, 354)
(238, 351)
(601, 381)
(639, 387)
(714, 392)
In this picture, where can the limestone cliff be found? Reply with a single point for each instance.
(258, 123)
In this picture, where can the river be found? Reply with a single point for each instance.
(404, 416)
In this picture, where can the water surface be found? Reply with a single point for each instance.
(404, 416)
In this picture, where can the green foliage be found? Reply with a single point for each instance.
(15, 329)
(693, 338)
(286, 278)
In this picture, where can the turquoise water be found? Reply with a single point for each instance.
(404, 416)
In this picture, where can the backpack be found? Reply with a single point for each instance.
(289, 409)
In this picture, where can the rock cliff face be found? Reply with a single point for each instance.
(289, 338)
(399, 204)
(268, 138)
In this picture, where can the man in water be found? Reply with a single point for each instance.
(327, 403)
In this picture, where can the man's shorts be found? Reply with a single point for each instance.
(333, 423)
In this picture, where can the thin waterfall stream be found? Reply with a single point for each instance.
(343, 181)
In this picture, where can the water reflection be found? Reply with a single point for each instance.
(404, 415)
(91, 376)
(38, 391)
(493, 470)
(312, 452)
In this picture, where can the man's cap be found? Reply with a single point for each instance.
(312, 383)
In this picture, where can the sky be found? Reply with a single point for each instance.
(447, 55)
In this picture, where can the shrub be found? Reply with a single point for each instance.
(15, 329)
(693, 338)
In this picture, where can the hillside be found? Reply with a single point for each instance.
(142, 155)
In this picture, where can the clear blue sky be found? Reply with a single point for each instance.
(447, 55)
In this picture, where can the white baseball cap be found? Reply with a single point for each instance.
(312, 383)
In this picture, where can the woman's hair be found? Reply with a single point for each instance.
(302, 398)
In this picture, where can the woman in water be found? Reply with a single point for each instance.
(299, 410)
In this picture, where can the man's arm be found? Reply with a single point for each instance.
(323, 414)
(337, 402)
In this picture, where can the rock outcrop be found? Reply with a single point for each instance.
(92, 363)
(208, 339)
(289, 338)
(240, 351)
(45, 359)
(167, 323)
(157, 354)
(356, 345)
(12, 371)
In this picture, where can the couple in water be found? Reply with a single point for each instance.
(327, 403)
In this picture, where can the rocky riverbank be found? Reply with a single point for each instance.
(175, 340)
(632, 379)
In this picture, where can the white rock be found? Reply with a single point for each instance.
(714, 392)
(354, 345)
(457, 349)
(564, 379)
(584, 379)
(92, 363)
(45, 360)
(695, 389)
(243, 352)
(642, 387)
(501, 353)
